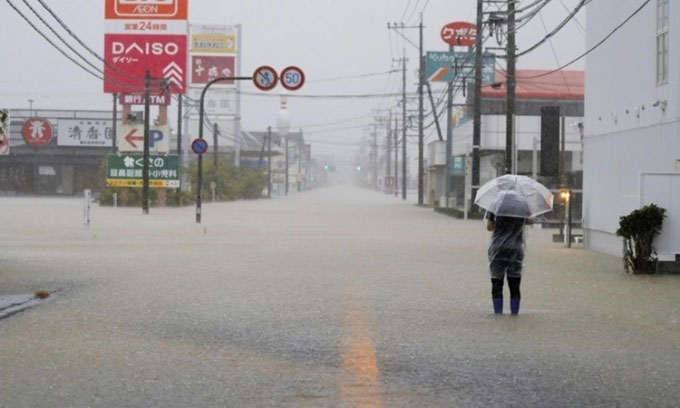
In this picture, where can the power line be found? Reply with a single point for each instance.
(51, 42)
(555, 31)
(97, 69)
(594, 47)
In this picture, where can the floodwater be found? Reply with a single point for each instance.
(336, 297)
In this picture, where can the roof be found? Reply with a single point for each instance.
(559, 85)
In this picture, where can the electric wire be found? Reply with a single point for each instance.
(594, 47)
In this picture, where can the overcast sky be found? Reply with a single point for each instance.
(327, 38)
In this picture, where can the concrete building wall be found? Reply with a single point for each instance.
(625, 133)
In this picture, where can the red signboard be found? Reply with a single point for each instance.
(37, 132)
(128, 56)
(459, 33)
(146, 9)
(206, 68)
(138, 99)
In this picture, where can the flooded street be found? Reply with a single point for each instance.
(336, 297)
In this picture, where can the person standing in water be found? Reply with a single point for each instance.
(506, 253)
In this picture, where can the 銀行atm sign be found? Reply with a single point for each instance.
(146, 9)
(128, 56)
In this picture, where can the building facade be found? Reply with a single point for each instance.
(632, 119)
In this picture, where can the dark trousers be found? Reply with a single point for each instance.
(497, 288)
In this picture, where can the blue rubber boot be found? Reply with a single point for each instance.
(514, 306)
(498, 305)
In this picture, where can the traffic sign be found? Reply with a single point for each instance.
(37, 132)
(459, 33)
(265, 78)
(130, 138)
(292, 78)
(147, 9)
(128, 56)
(199, 146)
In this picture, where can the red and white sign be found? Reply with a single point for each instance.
(206, 68)
(138, 99)
(128, 56)
(146, 9)
(265, 78)
(292, 78)
(37, 132)
(459, 33)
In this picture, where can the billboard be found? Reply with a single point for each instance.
(129, 56)
(218, 101)
(147, 9)
(4, 132)
(84, 133)
(205, 68)
(213, 39)
(445, 66)
(126, 170)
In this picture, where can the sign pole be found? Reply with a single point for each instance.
(145, 169)
(115, 122)
(269, 162)
(201, 115)
(179, 147)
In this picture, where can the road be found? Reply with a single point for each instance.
(332, 298)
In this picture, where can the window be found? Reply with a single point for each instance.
(662, 42)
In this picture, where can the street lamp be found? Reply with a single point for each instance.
(283, 125)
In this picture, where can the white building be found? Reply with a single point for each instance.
(632, 118)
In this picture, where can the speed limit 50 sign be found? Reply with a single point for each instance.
(292, 78)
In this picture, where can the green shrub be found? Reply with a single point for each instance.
(639, 229)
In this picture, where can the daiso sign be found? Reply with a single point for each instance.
(129, 56)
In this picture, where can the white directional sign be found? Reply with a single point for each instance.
(130, 138)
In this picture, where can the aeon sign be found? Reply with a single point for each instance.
(128, 56)
(146, 9)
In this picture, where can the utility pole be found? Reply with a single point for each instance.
(286, 147)
(216, 132)
(145, 160)
(477, 127)
(269, 162)
(510, 86)
(404, 163)
(299, 173)
(388, 150)
(375, 156)
(449, 138)
(421, 113)
(396, 157)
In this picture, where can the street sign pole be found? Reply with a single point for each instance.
(201, 114)
(147, 124)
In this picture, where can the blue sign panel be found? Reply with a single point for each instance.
(444, 66)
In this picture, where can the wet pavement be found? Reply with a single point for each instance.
(337, 297)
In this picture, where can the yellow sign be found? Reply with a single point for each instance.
(138, 183)
(214, 43)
